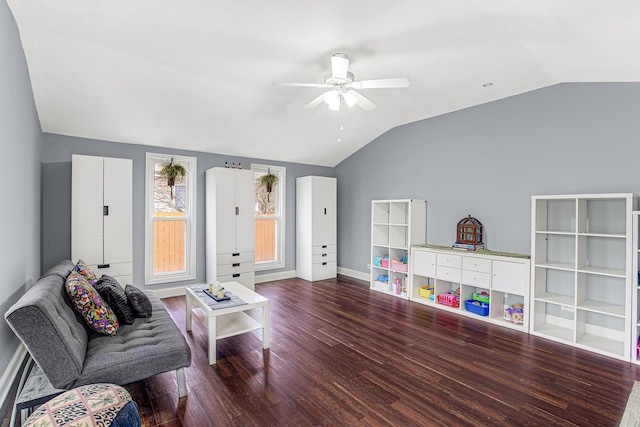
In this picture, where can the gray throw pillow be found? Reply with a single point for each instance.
(139, 301)
(111, 291)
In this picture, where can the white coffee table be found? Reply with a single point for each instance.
(231, 321)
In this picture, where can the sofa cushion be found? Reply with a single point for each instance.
(149, 346)
(82, 268)
(94, 310)
(111, 291)
(47, 325)
(139, 301)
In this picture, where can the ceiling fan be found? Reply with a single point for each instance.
(342, 84)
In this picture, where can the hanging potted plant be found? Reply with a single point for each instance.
(268, 180)
(171, 171)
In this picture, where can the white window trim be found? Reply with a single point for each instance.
(280, 244)
(190, 163)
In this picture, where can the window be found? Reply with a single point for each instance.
(269, 219)
(170, 221)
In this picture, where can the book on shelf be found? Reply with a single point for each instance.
(467, 246)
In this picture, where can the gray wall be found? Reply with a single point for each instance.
(489, 160)
(20, 148)
(56, 197)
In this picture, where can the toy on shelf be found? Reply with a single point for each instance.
(469, 234)
(514, 313)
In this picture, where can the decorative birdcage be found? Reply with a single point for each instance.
(469, 231)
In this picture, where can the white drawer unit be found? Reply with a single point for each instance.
(476, 264)
(499, 283)
(448, 260)
(476, 278)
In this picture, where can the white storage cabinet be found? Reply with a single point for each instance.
(581, 284)
(101, 215)
(395, 226)
(316, 228)
(503, 277)
(230, 226)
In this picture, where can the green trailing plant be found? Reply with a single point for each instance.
(268, 180)
(171, 171)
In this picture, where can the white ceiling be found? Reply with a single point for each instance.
(204, 75)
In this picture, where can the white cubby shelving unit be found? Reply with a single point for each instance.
(581, 284)
(504, 277)
(395, 226)
(635, 280)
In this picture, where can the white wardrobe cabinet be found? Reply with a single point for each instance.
(101, 215)
(230, 227)
(316, 228)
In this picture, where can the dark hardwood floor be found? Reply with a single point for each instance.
(342, 355)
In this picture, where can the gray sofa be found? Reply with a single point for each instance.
(70, 355)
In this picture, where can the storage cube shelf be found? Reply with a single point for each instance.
(395, 226)
(502, 279)
(581, 251)
(635, 285)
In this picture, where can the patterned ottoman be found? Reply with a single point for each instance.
(101, 405)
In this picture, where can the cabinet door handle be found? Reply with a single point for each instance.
(237, 210)
(236, 275)
(235, 254)
(324, 263)
(325, 211)
(237, 264)
(324, 254)
(105, 210)
(104, 265)
(324, 246)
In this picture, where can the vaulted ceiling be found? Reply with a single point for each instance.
(207, 75)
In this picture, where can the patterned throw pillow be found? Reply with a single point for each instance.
(139, 301)
(89, 405)
(87, 301)
(111, 291)
(82, 268)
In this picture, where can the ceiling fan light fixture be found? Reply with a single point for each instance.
(332, 99)
(350, 98)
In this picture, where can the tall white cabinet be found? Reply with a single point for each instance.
(230, 226)
(316, 227)
(101, 215)
(395, 226)
(581, 281)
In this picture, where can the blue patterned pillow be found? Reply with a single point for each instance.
(87, 301)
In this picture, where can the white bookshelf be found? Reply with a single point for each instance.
(395, 226)
(581, 287)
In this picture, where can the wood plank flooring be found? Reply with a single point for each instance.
(342, 355)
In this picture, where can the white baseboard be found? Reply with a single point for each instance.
(11, 372)
(171, 292)
(355, 274)
(270, 277)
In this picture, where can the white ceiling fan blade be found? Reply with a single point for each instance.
(332, 98)
(363, 102)
(305, 84)
(315, 102)
(339, 65)
(381, 83)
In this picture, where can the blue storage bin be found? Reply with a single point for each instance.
(477, 307)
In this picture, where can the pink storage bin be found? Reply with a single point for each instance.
(398, 266)
(384, 263)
